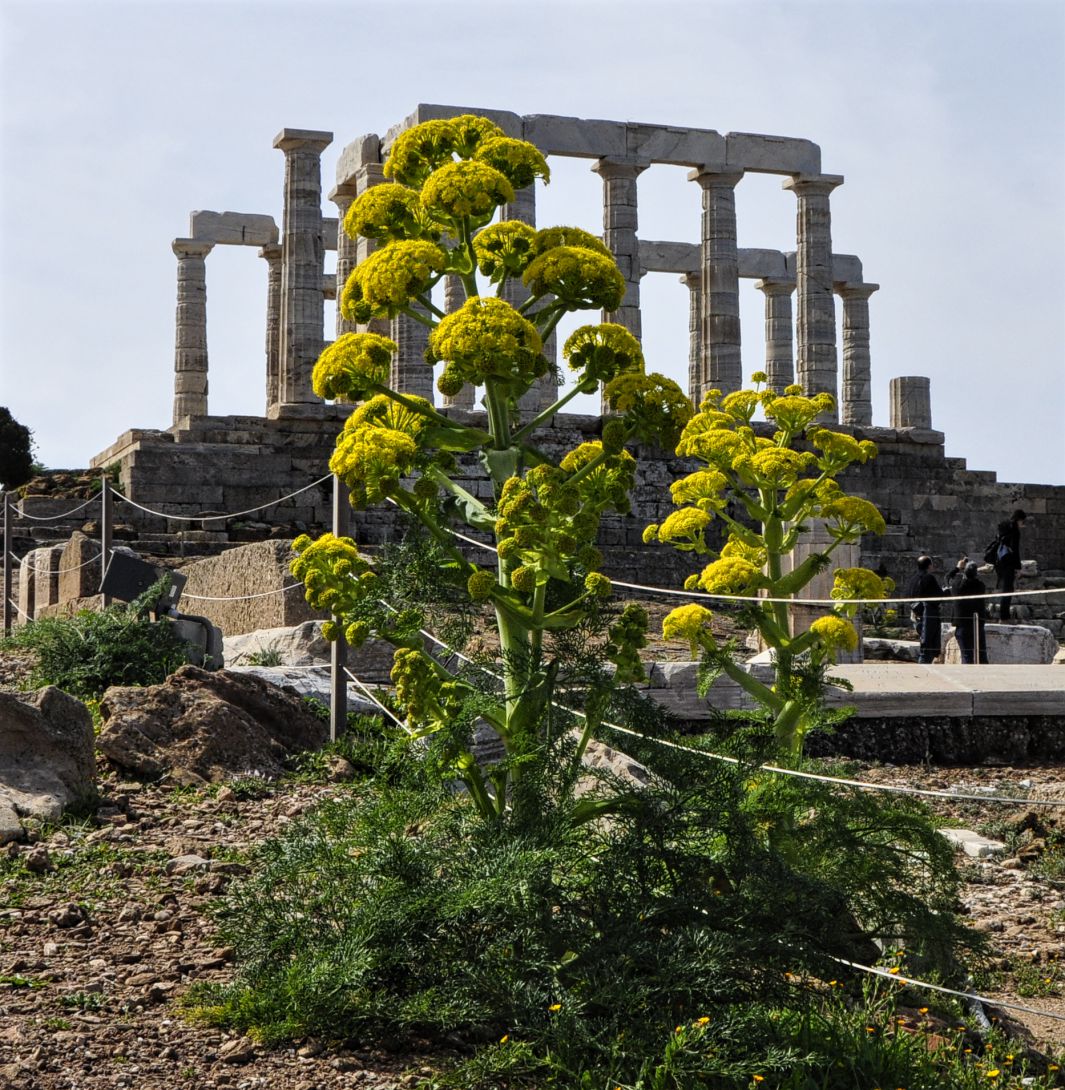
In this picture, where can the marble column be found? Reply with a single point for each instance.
(779, 351)
(367, 175)
(620, 223)
(911, 402)
(410, 372)
(454, 297)
(302, 262)
(342, 195)
(694, 283)
(857, 403)
(816, 361)
(190, 339)
(720, 366)
(271, 253)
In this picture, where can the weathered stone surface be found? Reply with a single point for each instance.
(875, 649)
(233, 228)
(301, 645)
(307, 684)
(46, 755)
(240, 574)
(1010, 644)
(973, 844)
(79, 568)
(202, 727)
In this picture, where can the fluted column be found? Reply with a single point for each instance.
(367, 175)
(620, 223)
(816, 361)
(190, 334)
(857, 403)
(302, 262)
(271, 253)
(720, 366)
(694, 283)
(779, 351)
(410, 372)
(342, 195)
(454, 297)
(911, 402)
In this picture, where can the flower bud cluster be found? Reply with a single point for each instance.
(335, 576)
(627, 636)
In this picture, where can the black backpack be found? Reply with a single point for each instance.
(991, 552)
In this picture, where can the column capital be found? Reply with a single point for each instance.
(812, 184)
(299, 139)
(613, 166)
(776, 285)
(856, 291)
(343, 193)
(693, 281)
(191, 247)
(272, 251)
(707, 176)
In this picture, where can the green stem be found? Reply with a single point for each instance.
(498, 417)
(404, 500)
(430, 306)
(549, 412)
(421, 408)
(418, 316)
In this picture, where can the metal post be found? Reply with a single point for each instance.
(338, 652)
(106, 516)
(7, 564)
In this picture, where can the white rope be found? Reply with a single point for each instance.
(219, 518)
(12, 602)
(373, 699)
(60, 571)
(240, 597)
(52, 518)
(864, 785)
(899, 978)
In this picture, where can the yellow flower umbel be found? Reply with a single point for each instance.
(353, 365)
(601, 352)
(465, 190)
(391, 212)
(520, 162)
(387, 281)
(835, 633)
(578, 277)
(416, 153)
(504, 249)
(689, 623)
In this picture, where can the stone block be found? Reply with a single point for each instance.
(1010, 644)
(233, 228)
(758, 264)
(356, 155)
(974, 845)
(79, 568)
(772, 154)
(580, 138)
(680, 146)
(846, 269)
(669, 257)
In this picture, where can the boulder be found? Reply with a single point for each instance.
(878, 649)
(307, 684)
(205, 727)
(304, 645)
(1010, 644)
(46, 757)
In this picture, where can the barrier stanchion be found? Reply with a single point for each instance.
(7, 564)
(106, 515)
(338, 651)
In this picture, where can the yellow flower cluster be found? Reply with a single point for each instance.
(520, 162)
(608, 484)
(481, 584)
(853, 515)
(835, 632)
(732, 575)
(465, 189)
(389, 211)
(352, 366)
(655, 408)
(335, 577)
(628, 635)
(689, 623)
(579, 277)
(705, 489)
(839, 450)
(487, 338)
(383, 284)
(712, 443)
(416, 153)
(427, 699)
(860, 583)
(684, 529)
(602, 351)
(504, 249)
(753, 554)
(547, 238)
(792, 412)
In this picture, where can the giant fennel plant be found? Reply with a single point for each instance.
(434, 219)
(779, 487)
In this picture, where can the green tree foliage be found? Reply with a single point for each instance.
(16, 451)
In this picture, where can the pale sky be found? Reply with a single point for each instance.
(946, 119)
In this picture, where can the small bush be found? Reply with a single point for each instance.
(88, 652)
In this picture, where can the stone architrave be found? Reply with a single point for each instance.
(542, 393)
(454, 297)
(342, 195)
(721, 366)
(816, 360)
(911, 402)
(693, 281)
(856, 387)
(271, 254)
(302, 262)
(779, 351)
(190, 334)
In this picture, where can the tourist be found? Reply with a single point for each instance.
(926, 614)
(1008, 559)
(970, 614)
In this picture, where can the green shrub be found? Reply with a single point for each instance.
(119, 645)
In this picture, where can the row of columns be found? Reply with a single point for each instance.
(295, 297)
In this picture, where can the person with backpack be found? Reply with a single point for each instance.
(1008, 559)
(926, 614)
(970, 614)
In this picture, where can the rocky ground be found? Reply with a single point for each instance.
(105, 924)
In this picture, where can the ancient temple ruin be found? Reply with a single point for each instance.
(204, 463)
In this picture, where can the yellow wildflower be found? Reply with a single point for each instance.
(504, 248)
(520, 162)
(469, 188)
(390, 277)
(602, 351)
(352, 365)
(690, 623)
(579, 277)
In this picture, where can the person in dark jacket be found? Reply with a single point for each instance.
(1008, 560)
(926, 614)
(969, 616)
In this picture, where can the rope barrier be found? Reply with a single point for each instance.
(240, 597)
(373, 700)
(53, 518)
(21, 613)
(21, 561)
(218, 518)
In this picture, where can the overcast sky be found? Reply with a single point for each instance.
(947, 121)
